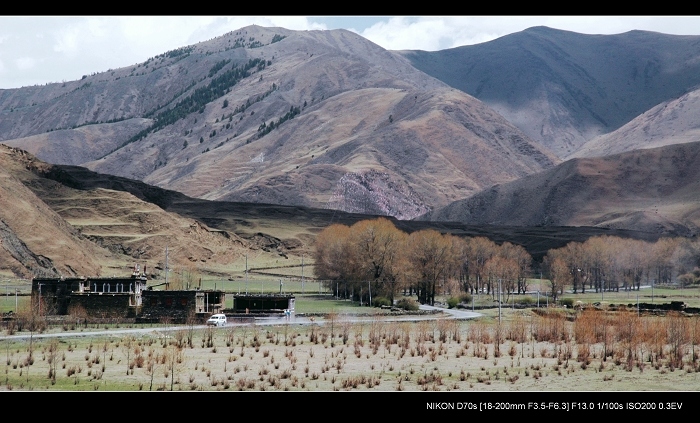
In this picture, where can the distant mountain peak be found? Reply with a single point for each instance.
(316, 105)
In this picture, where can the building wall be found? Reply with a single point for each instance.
(262, 303)
(98, 305)
(52, 296)
(180, 306)
(122, 298)
(109, 297)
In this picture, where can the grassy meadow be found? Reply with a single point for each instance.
(545, 349)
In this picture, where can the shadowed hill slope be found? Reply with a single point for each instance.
(671, 122)
(56, 224)
(563, 88)
(67, 220)
(655, 190)
(290, 230)
(34, 239)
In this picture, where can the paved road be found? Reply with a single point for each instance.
(266, 321)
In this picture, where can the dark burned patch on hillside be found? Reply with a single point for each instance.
(249, 219)
(77, 177)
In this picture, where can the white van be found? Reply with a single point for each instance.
(217, 320)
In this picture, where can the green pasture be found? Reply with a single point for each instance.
(14, 294)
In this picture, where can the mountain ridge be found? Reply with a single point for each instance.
(563, 88)
(278, 116)
(653, 190)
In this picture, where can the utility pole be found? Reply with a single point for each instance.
(499, 301)
(166, 268)
(40, 299)
(246, 274)
(369, 287)
(302, 274)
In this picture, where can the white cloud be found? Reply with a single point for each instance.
(69, 47)
(67, 41)
(25, 63)
(441, 32)
(437, 32)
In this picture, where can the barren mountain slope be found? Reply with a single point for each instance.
(317, 118)
(654, 190)
(429, 148)
(79, 145)
(52, 223)
(277, 233)
(34, 239)
(671, 122)
(562, 88)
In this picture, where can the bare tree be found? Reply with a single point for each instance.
(128, 343)
(430, 254)
(377, 247)
(523, 261)
(481, 249)
(174, 359)
(504, 273)
(153, 364)
(559, 271)
(52, 358)
(334, 260)
(677, 336)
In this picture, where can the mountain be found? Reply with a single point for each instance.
(34, 239)
(273, 124)
(563, 88)
(54, 224)
(655, 190)
(269, 115)
(62, 220)
(671, 122)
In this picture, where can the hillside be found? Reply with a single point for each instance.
(34, 239)
(268, 115)
(54, 225)
(563, 88)
(655, 190)
(67, 220)
(671, 122)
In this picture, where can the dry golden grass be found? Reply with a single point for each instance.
(440, 355)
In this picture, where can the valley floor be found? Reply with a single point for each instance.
(341, 355)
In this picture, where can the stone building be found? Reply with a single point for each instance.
(263, 303)
(122, 298)
(181, 306)
(97, 297)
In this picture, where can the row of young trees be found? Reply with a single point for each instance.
(608, 263)
(373, 257)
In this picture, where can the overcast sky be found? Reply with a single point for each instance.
(38, 50)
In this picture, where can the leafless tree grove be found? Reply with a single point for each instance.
(608, 263)
(373, 257)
